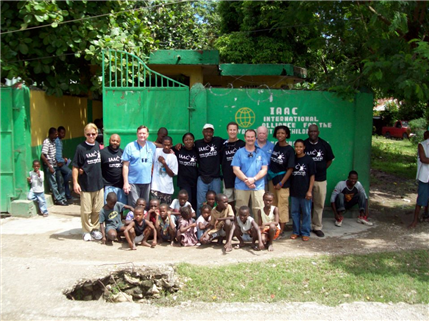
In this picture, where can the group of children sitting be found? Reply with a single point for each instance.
(176, 223)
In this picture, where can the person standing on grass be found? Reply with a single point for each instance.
(88, 183)
(138, 158)
(250, 167)
(347, 194)
(111, 168)
(279, 173)
(322, 155)
(55, 178)
(422, 177)
(230, 147)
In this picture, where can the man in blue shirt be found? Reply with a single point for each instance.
(138, 158)
(62, 161)
(250, 164)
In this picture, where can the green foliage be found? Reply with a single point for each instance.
(346, 46)
(418, 127)
(379, 277)
(65, 57)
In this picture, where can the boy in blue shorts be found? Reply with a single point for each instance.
(110, 218)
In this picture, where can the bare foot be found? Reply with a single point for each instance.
(144, 243)
(413, 224)
(270, 248)
(228, 247)
(133, 248)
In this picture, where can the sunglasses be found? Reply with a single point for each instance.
(250, 155)
(91, 134)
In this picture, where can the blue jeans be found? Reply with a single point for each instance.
(56, 183)
(299, 205)
(342, 205)
(66, 174)
(120, 194)
(202, 189)
(39, 198)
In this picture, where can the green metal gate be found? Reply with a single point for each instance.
(15, 144)
(134, 95)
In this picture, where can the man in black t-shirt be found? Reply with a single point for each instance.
(322, 155)
(111, 167)
(209, 156)
(88, 182)
(230, 147)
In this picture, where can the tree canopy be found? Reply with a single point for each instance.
(57, 44)
(346, 46)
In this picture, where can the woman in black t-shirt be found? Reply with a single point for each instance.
(187, 158)
(281, 166)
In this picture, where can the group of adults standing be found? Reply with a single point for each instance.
(248, 168)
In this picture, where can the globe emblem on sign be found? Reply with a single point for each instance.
(245, 117)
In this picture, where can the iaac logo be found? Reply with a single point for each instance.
(245, 117)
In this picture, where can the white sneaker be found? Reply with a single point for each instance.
(87, 237)
(365, 221)
(96, 235)
(338, 223)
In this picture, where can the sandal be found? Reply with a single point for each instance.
(305, 238)
(294, 236)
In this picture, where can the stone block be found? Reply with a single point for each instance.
(27, 208)
(23, 208)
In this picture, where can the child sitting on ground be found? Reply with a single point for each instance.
(186, 230)
(177, 204)
(203, 220)
(110, 218)
(269, 221)
(180, 202)
(210, 199)
(130, 215)
(139, 230)
(246, 229)
(37, 191)
(164, 225)
(221, 223)
(153, 213)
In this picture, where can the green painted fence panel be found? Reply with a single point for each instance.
(7, 171)
(345, 125)
(15, 144)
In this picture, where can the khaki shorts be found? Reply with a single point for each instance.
(229, 192)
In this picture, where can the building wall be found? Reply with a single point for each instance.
(69, 111)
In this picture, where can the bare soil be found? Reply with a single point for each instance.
(41, 257)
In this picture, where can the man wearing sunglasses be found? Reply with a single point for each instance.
(250, 165)
(88, 182)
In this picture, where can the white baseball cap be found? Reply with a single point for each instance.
(206, 126)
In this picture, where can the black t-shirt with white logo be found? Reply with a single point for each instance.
(188, 169)
(111, 167)
(228, 151)
(300, 178)
(321, 152)
(209, 156)
(88, 158)
(282, 158)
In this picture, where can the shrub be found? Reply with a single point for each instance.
(418, 127)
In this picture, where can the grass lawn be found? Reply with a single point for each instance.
(397, 157)
(331, 280)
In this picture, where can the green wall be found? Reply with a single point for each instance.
(347, 126)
